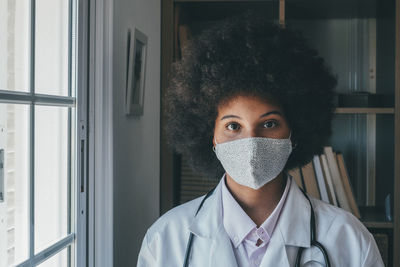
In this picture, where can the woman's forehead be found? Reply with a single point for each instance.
(249, 101)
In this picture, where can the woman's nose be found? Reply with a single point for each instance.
(252, 132)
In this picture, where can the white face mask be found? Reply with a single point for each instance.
(254, 161)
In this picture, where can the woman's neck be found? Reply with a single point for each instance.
(258, 204)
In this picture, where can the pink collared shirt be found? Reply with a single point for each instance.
(244, 233)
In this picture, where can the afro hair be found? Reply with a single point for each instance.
(247, 55)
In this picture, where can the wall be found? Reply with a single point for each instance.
(136, 139)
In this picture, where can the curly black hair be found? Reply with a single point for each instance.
(247, 55)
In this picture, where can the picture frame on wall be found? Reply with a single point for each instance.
(136, 72)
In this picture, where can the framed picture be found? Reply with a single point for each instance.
(136, 72)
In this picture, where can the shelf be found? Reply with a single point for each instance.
(194, 11)
(313, 9)
(364, 111)
(374, 217)
(229, 1)
(386, 225)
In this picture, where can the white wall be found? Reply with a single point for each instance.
(136, 139)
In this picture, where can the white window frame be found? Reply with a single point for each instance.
(94, 206)
(100, 179)
(77, 238)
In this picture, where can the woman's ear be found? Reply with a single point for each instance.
(213, 142)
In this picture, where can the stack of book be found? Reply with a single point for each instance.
(326, 178)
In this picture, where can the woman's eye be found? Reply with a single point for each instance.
(270, 124)
(233, 126)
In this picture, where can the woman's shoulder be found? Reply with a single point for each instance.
(333, 219)
(166, 238)
(344, 232)
(178, 217)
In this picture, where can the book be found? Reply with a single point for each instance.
(328, 180)
(347, 186)
(320, 179)
(336, 179)
(310, 181)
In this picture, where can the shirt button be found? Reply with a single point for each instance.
(235, 238)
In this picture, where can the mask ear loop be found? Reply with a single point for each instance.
(213, 148)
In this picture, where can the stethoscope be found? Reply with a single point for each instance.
(314, 242)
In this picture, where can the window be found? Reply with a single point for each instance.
(40, 184)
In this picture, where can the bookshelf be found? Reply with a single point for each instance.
(364, 110)
(367, 36)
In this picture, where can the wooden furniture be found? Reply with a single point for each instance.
(360, 40)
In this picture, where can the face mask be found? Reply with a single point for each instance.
(254, 161)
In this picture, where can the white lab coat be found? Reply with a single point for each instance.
(345, 238)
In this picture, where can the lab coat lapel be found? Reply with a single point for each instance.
(275, 254)
(221, 251)
(209, 231)
(292, 230)
(294, 221)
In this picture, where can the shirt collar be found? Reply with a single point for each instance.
(238, 224)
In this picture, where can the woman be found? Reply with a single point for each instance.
(249, 101)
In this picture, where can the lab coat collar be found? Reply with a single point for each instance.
(294, 221)
(209, 219)
(208, 225)
(222, 253)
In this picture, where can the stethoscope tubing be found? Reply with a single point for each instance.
(190, 241)
(313, 238)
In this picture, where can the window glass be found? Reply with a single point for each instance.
(51, 175)
(37, 138)
(14, 45)
(58, 260)
(14, 183)
(51, 47)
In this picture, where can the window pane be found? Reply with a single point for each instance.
(51, 175)
(58, 260)
(51, 47)
(14, 184)
(14, 45)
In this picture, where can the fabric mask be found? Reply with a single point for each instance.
(254, 161)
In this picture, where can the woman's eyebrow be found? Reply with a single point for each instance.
(266, 114)
(272, 112)
(230, 116)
